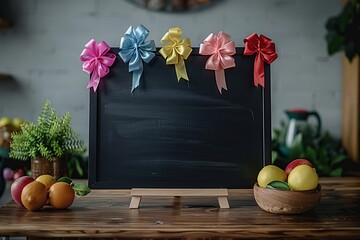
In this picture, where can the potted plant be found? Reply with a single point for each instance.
(46, 143)
(343, 31)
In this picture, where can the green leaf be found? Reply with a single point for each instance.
(81, 189)
(338, 159)
(322, 155)
(332, 24)
(311, 154)
(280, 185)
(78, 168)
(274, 156)
(335, 44)
(337, 172)
(297, 150)
(65, 179)
(350, 50)
(70, 171)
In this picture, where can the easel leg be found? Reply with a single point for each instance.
(135, 202)
(223, 202)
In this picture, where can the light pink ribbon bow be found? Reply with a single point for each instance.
(220, 48)
(97, 61)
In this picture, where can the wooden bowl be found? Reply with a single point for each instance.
(286, 202)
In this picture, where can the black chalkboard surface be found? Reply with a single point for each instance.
(170, 134)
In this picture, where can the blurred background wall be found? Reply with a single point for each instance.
(41, 51)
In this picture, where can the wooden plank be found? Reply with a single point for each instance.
(105, 214)
(138, 193)
(223, 202)
(181, 192)
(135, 202)
(351, 107)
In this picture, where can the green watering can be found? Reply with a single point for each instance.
(298, 122)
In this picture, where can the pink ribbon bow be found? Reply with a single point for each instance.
(265, 52)
(220, 48)
(97, 61)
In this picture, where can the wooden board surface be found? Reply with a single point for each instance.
(351, 107)
(105, 214)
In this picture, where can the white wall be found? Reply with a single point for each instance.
(42, 50)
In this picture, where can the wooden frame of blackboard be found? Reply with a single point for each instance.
(98, 172)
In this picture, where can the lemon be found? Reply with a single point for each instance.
(4, 121)
(47, 180)
(270, 173)
(303, 177)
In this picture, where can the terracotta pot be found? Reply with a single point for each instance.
(56, 168)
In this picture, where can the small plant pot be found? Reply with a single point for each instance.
(56, 167)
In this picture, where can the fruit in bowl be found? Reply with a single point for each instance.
(298, 192)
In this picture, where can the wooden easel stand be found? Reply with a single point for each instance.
(138, 193)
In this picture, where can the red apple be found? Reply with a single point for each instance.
(296, 163)
(17, 187)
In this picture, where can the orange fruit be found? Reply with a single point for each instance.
(61, 195)
(47, 180)
(34, 196)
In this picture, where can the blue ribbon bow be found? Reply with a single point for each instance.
(133, 48)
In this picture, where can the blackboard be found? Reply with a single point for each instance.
(172, 134)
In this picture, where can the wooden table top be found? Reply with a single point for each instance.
(105, 214)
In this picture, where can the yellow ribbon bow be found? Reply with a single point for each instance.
(175, 51)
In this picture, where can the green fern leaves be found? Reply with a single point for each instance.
(50, 138)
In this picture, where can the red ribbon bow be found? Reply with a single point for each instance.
(265, 52)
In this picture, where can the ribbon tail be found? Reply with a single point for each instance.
(181, 70)
(94, 81)
(220, 80)
(259, 71)
(136, 79)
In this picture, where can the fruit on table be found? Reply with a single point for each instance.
(15, 122)
(270, 173)
(7, 127)
(19, 173)
(8, 174)
(5, 121)
(47, 180)
(34, 196)
(303, 177)
(17, 187)
(61, 195)
(296, 163)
